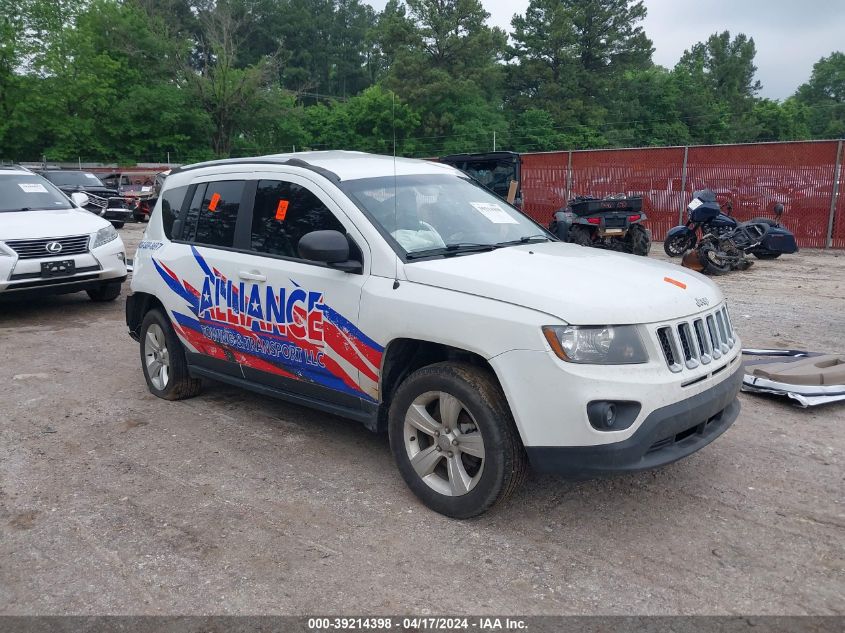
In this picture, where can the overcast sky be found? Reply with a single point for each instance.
(791, 35)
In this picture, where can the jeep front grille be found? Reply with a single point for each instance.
(36, 249)
(690, 343)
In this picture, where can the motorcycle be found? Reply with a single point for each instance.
(614, 223)
(762, 237)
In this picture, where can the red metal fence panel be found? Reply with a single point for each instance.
(544, 184)
(752, 177)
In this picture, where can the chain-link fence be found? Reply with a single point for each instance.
(804, 176)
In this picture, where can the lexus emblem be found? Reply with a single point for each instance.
(54, 247)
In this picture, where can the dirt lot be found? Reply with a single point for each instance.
(112, 501)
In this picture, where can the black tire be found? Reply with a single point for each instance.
(483, 411)
(637, 241)
(179, 384)
(711, 262)
(105, 292)
(678, 245)
(117, 225)
(580, 235)
(765, 255)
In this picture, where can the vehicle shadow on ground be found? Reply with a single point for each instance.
(49, 309)
(614, 503)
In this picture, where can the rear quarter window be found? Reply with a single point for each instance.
(213, 213)
(171, 204)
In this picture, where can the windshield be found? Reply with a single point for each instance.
(22, 192)
(73, 179)
(441, 213)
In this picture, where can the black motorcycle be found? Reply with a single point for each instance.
(614, 223)
(762, 237)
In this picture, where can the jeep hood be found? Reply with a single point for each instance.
(579, 285)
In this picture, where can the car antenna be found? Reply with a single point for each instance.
(395, 194)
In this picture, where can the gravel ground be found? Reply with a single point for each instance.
(112, 501)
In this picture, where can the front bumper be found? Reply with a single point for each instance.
(21, 278)
(118, 214)
(665, 436)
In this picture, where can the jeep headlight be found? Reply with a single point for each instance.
(104, 236)
(599, 345)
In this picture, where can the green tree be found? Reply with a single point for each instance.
(824, 96)
(446, 67)
(570, 57)
(225, 90)
(723, 70)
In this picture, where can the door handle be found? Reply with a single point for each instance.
(251, 276)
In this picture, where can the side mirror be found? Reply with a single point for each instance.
(79, 199)
(328, 247)
(778, 210)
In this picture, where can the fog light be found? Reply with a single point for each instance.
(610, 415)
(606, 415)
(122, 257)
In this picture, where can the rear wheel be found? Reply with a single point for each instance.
(106, 292)
(163, 360)
(454, 440)
(637, 240)
(677, 245)
(581, 235)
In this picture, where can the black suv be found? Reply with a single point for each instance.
(102, 200)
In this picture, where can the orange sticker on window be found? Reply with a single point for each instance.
(215, 198)
(282, 210)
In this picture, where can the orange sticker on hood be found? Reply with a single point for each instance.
(675, 282)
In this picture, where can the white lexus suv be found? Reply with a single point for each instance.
(401, 294)
(50, 245)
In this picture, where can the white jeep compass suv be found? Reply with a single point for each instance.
(401, 294)
(50, 245)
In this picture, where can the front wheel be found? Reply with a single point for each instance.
(163, 360)
(106, 292)
(713, 260)
(677, 245)
(454, 440)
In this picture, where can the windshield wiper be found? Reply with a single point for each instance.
(526, 239)
(15, 210)
(452, 249)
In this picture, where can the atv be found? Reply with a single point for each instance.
(614, 223)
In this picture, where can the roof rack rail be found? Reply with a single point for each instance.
(293, 162)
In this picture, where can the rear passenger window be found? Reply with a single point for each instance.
(171, 204)
(213, 213)
(283, 213)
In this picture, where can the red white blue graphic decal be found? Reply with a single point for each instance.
(289, 332)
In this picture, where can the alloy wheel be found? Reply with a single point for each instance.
(444, 443)
(157, 357)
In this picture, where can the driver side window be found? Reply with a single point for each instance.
(283, 212)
